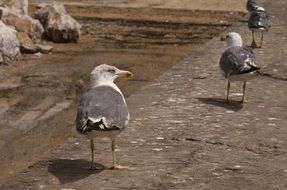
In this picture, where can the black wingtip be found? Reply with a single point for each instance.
(82, 129)
(89, 125)
(251, 69)
(254, 68)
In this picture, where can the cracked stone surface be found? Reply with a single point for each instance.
(183, 135)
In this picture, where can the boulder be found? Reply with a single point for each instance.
(9, 45)
(58, 24)
(17, 6)
(27, 45)
(22, 23)
(44, 48)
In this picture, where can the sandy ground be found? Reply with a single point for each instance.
(183, 134)
(144, 40)
(214, 5)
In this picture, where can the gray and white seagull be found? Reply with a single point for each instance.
(237, 63)
(103, 110)
(258, 22)
(252, 5)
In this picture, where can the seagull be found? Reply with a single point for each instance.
(237, 63)
(258, 21)
(103, 110)
(251, 5)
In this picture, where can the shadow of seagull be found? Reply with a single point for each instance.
(72, 170)
(219, 102)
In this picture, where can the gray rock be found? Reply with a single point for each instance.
(59, 26)
(27, 45)
(9, 45)
(44, 48)
(53, 7)
(22, 23)
(17, 6)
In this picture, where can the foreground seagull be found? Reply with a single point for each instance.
(252, 5)
(258, 21)
(103, 111)
(237, 63)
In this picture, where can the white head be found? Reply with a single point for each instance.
(233, 39)
(106, 74)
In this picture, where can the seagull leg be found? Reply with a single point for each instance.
(115, 166)
(243, 95)
(253, 44)
(93, 167)
(114, 153)
(261, 42)
(228, 88)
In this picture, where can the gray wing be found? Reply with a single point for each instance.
(251, 5)
(259, 19)
(103, 101)
(237, 60)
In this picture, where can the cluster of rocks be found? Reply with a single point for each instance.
(20, 33)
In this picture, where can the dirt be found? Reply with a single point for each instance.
(144, 40)
(215, 5)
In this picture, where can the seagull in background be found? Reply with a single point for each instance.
(103, 110)
(252, 5)
(237, 63)
(258, 22)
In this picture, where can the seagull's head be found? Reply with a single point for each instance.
(233, 39)
(106, 73)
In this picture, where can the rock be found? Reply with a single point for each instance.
(22, 23)
(17, 6)
(9, 45)
(27, 45)
(44, 48)
(39, 54)
(1, 58)
(54, 7)
(59, 26)
(24, 42)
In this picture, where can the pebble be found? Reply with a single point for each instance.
(38, 54)
(157, 149)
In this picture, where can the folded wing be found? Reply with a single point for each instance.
(102, 109)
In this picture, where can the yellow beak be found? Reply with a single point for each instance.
(125, 73)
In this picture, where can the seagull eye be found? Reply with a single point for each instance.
(111, 70)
